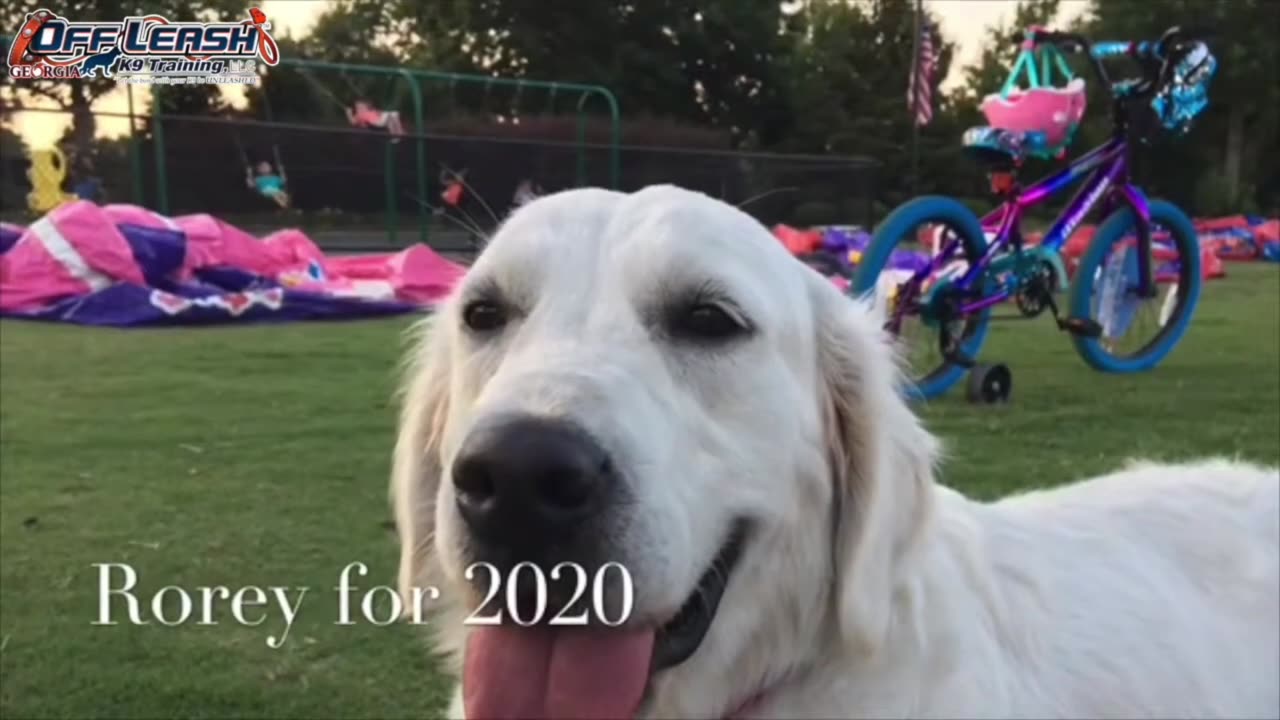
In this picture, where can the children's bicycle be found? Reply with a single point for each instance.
(1142, 263)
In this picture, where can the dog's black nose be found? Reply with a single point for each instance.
(524, 482)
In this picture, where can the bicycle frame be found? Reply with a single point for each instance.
(1109, 164)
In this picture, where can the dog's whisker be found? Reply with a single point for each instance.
(467, 223)
(764, 195)
(480, 199)
(478, 233)
(470, 189)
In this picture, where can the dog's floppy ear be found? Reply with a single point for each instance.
(416, 465)
(882, 462)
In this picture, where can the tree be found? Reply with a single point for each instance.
(78, 96)
(13, 171)
(355, 32)
(1000, 50)
(848, 77)
(286, 94)
(358, 32)
(712, 62)
(1229, 162)
(192, 100)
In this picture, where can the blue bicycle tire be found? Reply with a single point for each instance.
(1114, 229)
(888, 234)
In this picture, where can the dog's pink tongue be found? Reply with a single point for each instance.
(555, 672)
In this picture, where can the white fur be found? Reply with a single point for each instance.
(866, 590)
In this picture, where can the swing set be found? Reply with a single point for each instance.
(254, 169)
(410, 81)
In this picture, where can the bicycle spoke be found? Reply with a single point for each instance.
(1131, 322)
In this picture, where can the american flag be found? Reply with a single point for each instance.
(920, 84)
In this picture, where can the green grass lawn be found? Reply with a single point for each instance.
(259, 456)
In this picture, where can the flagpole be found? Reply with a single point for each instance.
(915, 98)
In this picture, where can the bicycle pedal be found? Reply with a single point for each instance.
(1081, 326)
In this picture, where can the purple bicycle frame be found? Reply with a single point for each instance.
(1110, 166)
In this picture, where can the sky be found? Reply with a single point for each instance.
(963, 21)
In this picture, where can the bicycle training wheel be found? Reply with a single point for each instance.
(1136, 332)
(924, 314)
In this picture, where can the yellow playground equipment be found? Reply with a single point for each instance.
(48, 170)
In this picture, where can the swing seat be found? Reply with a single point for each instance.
(1051, 112)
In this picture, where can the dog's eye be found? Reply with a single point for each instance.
(708, 322)
(484, 315)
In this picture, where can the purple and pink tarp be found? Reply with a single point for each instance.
(845, 245)
(126, 266)
(1234, 238)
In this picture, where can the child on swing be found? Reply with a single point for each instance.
(454, 186)
(267, 183)
(364, 114)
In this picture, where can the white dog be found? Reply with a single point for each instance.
(650, 379)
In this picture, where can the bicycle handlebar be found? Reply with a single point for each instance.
(1156, 59)
(1072, 43)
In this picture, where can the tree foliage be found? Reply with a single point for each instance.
(999, 50)
(815, 76)
(713, 62)
(848, 80)
(1230, 162)
(77, 96)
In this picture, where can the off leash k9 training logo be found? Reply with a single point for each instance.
(142, 49)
